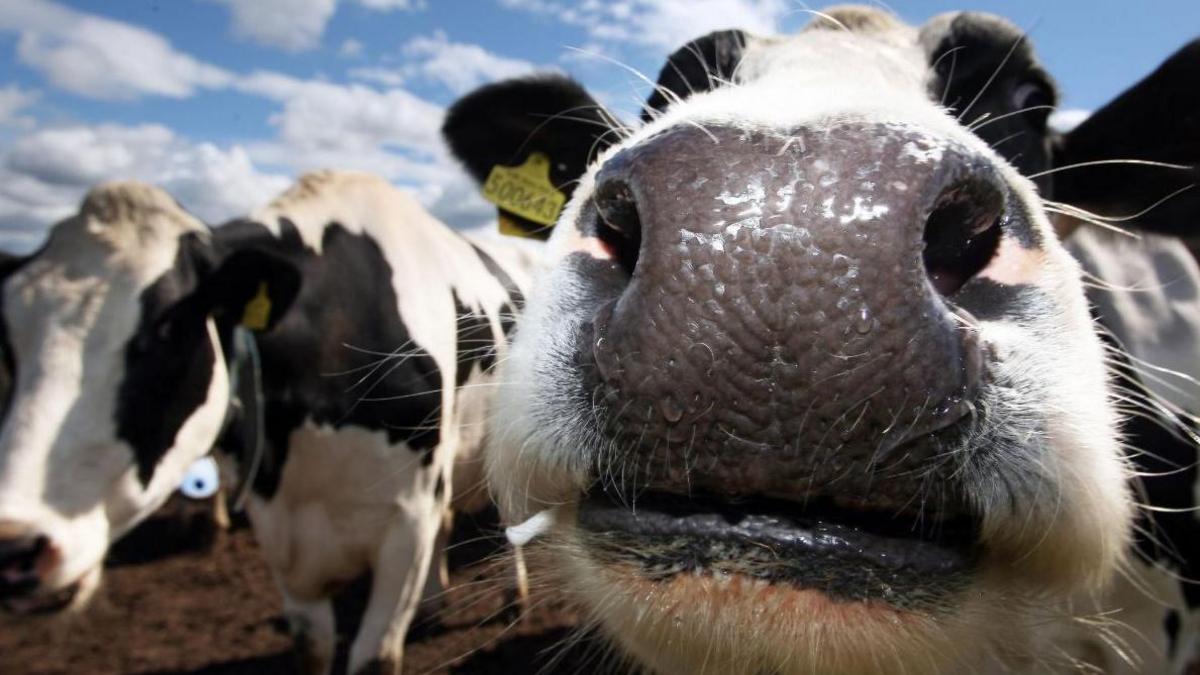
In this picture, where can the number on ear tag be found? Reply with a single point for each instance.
(258, 310)
(526, 191)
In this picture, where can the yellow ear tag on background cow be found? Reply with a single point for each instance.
(258, 310)
(526, 191)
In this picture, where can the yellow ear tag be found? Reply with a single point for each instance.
(526, 191)
(258, 310)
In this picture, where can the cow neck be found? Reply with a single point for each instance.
(243, 435)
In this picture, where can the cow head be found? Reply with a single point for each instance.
(113, 336)
(809, 384)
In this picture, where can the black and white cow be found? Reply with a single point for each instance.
(808, 383)
(377, 328)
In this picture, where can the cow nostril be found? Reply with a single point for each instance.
(618, 225)
(962, 233)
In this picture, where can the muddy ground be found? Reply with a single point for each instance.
(180, 598)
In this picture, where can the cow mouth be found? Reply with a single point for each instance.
(848, 551)
(41, 604)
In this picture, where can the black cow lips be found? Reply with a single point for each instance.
(849, 554)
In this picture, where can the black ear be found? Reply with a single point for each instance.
(701, 65)
(550, 117)
(250, 287)
(1156, 120)
(501, 124)
(9, 263)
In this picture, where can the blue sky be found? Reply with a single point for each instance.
(224, 101)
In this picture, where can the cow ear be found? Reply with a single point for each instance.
(701, 65)
(1157, 120)
(9, 263)
(251, 287)
(501, 124)
(549, 117)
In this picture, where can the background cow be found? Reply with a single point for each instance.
(377, 327)
(810, 385)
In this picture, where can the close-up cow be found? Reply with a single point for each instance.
(808, 382)
(344, 414)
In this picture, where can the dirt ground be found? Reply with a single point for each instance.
(180, 598)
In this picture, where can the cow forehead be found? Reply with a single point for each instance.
(890, 57)
(841, 38)
(88, 276)
(124, 237)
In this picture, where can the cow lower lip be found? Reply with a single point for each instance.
(849, 554)
(41, 603)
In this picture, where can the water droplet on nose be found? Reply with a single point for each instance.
(670, 409)
(865, 321)
(607, 361)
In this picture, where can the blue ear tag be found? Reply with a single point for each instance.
(201, 480)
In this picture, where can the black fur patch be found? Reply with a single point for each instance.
(168, 362)
(8, 364)
(516, 299)
(319, 362)
(475, 342)
(1171, 626)
(1158, 119)
(701, 65)
(985, 69)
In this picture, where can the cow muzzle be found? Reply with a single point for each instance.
(778, 375)
(27, 560)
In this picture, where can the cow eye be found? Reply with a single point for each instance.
(1034, 97)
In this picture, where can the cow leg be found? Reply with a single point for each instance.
(314, 635)
(433, 598)
(401, 565)
(520, 581)
(220, 511)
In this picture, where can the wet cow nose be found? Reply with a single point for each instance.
(959, 226)
(789, 296)
(25, 557)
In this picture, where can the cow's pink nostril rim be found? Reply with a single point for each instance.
(962, 233)
(618, 224)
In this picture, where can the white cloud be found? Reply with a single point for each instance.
(1065, 120)
(458, 66)
(350, 118)
(318, 124)
(388, 77)
(101, 58)
(13, 100)
(295, 25)
(45, 173)
(660, 24)
(385, 5)
(350, 48)
(291, 25)
(391, 133)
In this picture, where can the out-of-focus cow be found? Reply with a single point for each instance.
(376, 328)
(809, 385)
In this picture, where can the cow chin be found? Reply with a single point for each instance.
(730, 622)
(676, 602)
